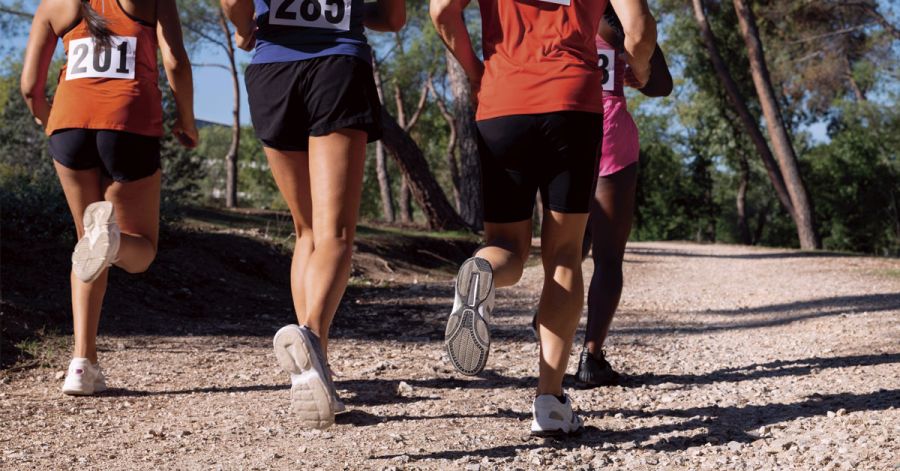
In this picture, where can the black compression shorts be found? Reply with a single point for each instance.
(554, 153)
(122, 156)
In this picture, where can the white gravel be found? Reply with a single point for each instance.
(735, 357)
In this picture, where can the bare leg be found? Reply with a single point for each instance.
(291, 173)
(612, 212)
(324, 201)
(562, 297)
(506, 249)
(134, 204)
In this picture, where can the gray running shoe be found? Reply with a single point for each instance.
(468, 338)
(313, 394)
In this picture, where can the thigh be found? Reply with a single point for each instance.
(336, 167)
(128, 157)
(561, 238)
(81, 187)
(612, 212)
(506, 151)
(137, 206)
(573, 141)
(290, 169)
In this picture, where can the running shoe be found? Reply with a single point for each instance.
(84, 378)
(99, 246)
(594, 371)
(313, 394)
(554, 417)
(468, 338)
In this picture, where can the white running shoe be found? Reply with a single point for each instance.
(313, 394)
(468, 337)
(554, 418)
(84, 378)
(99, 247)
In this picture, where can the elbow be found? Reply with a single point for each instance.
(176, 62)
(440, 10)
(228, 5)
(641, 31)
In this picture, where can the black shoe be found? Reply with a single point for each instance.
(594, 371)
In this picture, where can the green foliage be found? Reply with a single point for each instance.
(856, 178)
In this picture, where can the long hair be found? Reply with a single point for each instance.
(96, 25)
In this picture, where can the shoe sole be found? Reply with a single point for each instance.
(467, 337)
(98, 388)
(89, 261)
(557, 433)
(310, 396)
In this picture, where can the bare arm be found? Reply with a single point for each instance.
(640, 35)
(241, 13)
(385, 15)
(178, 70)
(447, 16)
(38, 55)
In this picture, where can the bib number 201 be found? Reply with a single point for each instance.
(326, 14)
(608, 67)
(89, 60)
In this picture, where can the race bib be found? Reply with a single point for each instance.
(607, 65)
(559, 2)
(325, 14)
(87, 60)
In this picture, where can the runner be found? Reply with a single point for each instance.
(314, 106)
(105, 125)
(540, 106)
(613, 207)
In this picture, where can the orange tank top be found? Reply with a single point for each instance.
(112, 88)
(540, 57)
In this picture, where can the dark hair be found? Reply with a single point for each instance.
(96, 24)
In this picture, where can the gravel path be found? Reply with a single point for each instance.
(736, 358)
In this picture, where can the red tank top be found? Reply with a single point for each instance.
(540, 57)
(109, 88)
(613, 68)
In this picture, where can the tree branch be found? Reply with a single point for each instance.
(423, 97)
(10, 11)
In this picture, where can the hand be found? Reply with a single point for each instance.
(637, 77)
(246, 41)
(186, 135)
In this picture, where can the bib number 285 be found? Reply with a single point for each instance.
(89, 60)
(326, 14)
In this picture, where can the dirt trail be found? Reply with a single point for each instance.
(737, 358)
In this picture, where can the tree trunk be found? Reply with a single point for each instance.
(384, 184)
(439, 214)
(405, 203)
(231, 159)
(761, 219)
(471, 208)
(781, 143)
(741, 201)
(451, 146)
(854, 86)
(737, 100)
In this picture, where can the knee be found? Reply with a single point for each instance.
(608, 265)
(339, 248)
(139, 266)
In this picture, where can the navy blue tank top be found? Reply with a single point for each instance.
(296, 30)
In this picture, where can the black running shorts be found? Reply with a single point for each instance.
(121, 156)
(290, 101)
(554, 153)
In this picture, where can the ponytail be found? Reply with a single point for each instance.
(96, 25)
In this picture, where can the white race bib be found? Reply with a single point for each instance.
(559, 2)
(607, 64)
(326, 14)
(89, 61)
